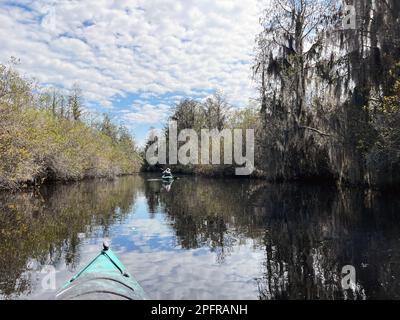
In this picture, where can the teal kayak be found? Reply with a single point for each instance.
(168, 177)
(104, 278)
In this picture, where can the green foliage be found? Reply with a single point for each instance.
(246, 118)
(391, 101)
(383, 158)
(213, 113)
(108, 128)
(39, 142)
(75, 103)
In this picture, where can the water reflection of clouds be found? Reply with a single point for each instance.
(88, 250)
(149, 249)
(141, 234)
(186, 274)
(295, 248)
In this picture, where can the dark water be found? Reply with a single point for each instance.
(204, 238)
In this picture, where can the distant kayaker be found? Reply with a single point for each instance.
(167, 172)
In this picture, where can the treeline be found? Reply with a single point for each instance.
(329, 94)
(212, 113)
(329, 83)
(43, 137)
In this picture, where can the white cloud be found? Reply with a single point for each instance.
(148, 113)
(153, 47)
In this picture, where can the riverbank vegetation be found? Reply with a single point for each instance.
(329, 95)
(329, 98)
(213, 113)
(43, 136)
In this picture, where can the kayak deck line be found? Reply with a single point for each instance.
(104, 278)
(112, 261)
(101, 278)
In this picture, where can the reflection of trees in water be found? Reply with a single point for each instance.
(309, 233)
(312, 233)
(152, 193)
(211, 212)
(153, 188)
(46, 226)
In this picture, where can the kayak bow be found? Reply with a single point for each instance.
(104, 278)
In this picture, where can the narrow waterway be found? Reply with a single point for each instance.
(200, 238)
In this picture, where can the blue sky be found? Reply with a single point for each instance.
(134, 59)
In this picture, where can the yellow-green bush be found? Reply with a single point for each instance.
(36, 144)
